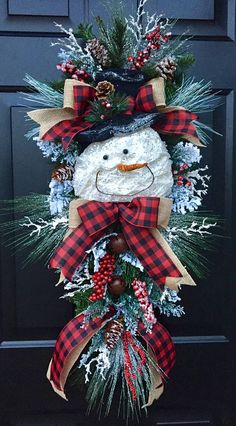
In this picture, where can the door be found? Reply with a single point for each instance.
(202, 385)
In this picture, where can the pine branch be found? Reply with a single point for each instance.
(84, 31)
(115, 40)
(118, 103)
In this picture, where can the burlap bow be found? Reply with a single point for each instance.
(67, 122)
(138, 220)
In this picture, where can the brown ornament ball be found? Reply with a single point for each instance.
(117, 286)
(117, 244)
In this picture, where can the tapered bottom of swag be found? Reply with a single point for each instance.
(110, 359)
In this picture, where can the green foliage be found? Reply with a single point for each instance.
(42, 93)
(185, 62)
(115, 40)
(81, 301)
(36, 230)
(57, 85)
(119, 103)
(150, 71)
(84, 31)
(190, 246)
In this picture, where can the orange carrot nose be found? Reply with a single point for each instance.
(130, 167)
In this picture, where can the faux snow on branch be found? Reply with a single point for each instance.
(185, 153)
(41, 224)
(201, 229)
(70, 49)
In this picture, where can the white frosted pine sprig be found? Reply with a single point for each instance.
(142, 23)
(60, 196)
(40, 225)
(71, 49)
(185, 153)
(56, 153)
(195, 228)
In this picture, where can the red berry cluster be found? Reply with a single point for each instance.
(72, 71)
(107, 104)
(141, 292)
(181, 179)
(155, 40)
(102, 277)
(129, 375)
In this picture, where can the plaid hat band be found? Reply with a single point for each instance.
(174, 120)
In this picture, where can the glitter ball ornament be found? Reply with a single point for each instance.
(117, 286)
(117, 244)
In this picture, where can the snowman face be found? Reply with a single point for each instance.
(122, 167)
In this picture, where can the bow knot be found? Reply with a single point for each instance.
(136, 218)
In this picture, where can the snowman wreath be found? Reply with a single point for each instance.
(120, 223)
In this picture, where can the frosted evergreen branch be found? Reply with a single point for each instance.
(42, 224)
(195, 96)
(44, 95)
(201, 229)
(71, 49)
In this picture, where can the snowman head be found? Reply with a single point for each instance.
(124, 167)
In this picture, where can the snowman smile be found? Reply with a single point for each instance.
(120, 169)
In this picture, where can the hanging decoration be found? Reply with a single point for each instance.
(123, 130)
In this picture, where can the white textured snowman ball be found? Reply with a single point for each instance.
(124, 167)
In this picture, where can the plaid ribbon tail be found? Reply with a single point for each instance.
(161, 343)
(70, 343)
(152, 256)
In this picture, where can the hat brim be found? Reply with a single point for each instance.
(116, 126)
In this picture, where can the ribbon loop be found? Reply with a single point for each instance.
(145, 100)
(82, 95)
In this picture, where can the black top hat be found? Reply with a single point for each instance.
(126, 82)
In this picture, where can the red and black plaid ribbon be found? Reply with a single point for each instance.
(137, 218)
(161, 344)
(177, 121)
(76, 332)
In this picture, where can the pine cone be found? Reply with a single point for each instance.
(104, 88)
(63, 172)
(99, 52)
(113, 333)
(167, 67)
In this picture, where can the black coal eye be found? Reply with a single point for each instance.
(105, 157)
(125, 151)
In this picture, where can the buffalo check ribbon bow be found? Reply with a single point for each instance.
(67, 122)
(137, 219)
(76, 335)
